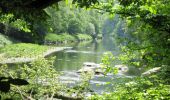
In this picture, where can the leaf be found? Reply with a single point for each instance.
(66, 1)
(18, 82)
(4, 86)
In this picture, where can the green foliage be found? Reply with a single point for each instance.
(43, 81)
(75, 26)
(66, 19)
(107, 60)
(6, 18)
(73, 20)
(6, 81)
(59, 38)
(9, 19)
(23, 30)
(33, 9)
(146, 31)
(67, 38)
(83, 37)
(151, 87)
(83, 3)
(154, 13)
(21, 24)
(41, 76)
(138, 89)
(82, 88)
(147, 43)
(91, 29)
(144, 46)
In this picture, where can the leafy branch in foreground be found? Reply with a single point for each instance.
(5, 83)
(42, 78)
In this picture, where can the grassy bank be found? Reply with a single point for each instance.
(22, 50)
(51, 37)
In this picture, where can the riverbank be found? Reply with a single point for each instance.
(52, 38)
(15, 52)
(24, 52)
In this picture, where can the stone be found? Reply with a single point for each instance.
(91, 67)
(122, 68)
(151, 71)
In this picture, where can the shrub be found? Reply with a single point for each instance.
(83, 37)
(42, 78)
(59, 38)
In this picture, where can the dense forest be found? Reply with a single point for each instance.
(30, 30)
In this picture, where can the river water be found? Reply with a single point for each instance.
(70, 61)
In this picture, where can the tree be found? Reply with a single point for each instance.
(147, 24)
(91, 30)
(33, 9)
(74, 26)
(67, 18)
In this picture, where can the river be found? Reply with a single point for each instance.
(70, 61)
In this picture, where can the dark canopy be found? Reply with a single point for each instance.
(25, 5)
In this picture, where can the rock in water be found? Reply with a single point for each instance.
(91, 67)
(151, 71)
(122, 68)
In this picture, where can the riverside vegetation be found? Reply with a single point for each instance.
(43, 82)
(37, 79)
(145, 44)
(64, 38)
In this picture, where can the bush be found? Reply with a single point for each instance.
(59, 38)
(83, 37)
(42, 78)
(66, 37)
(75, 26)
(138, 89)
(40, 81)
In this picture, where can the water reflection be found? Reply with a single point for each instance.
(70, 61)
(83, 52)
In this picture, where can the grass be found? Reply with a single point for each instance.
(22, 50)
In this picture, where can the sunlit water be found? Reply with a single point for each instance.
(70, 61)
